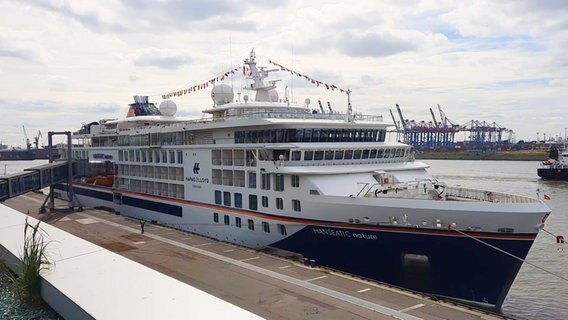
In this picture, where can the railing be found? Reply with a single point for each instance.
(481, 195)
(431, 190)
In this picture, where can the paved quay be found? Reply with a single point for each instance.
(266, 285)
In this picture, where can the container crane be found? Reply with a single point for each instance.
(28, 144)
(36, 139)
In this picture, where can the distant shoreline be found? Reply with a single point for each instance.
(481, 155)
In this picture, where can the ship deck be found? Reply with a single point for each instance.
(269, 286)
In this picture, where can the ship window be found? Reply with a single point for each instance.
(296, 205)
(157, 156)
(217, 176)
(318, 155)
(239, 178)
(265, 181)
(365, 154)
(295, 181)
(238, 222)
(252, 179)
(265, 227)
(348, 154)
(218, 197)
(338, 155)
(228, 177)
(216, 157)
(279, 182)
(373, 154)
(380, 153)
(314, 192)
(227, 156)
(250, 158)
(250, 224)
(282, 229)
(216, 217)
(329, 155)
(172, 157)
(264, 201)
(226, 198)
(180, 157)
(120, 155)
(137, 155)
(150, 156)
(357, 154)
(125, 155)
(253, 205)
(238, 200)
(164, 157)
(144, 156)
(308, 135)
(308, 155)
(296, 155)
(227, 220)
(239, 158)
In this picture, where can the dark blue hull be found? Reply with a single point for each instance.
(449, 266)
(437, 262)
(553, 173)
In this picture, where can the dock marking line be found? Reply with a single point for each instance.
(317, 278)
(364, 290)
(249, 259)
(229, 250)
(139, 242)
(199, 245)
(273, 274)
(420, 305)
(284, 267)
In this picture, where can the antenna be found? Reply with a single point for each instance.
(231, 57)
(292, 77)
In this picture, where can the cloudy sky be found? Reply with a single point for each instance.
(64, 62)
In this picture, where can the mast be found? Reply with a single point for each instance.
(264, 91)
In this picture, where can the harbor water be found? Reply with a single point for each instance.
(535, 294)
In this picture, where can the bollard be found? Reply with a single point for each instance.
(312, 263)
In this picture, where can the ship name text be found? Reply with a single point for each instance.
(345, 234)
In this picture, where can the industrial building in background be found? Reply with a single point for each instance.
(440, 135)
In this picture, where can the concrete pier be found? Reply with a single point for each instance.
(268, 286)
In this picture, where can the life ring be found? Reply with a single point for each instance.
(386, 180)
(559, 239)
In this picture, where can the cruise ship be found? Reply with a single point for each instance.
(321, 185)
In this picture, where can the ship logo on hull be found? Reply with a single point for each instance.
(196, 168)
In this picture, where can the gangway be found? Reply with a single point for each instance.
(44, 176)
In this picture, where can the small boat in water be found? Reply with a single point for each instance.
(556, 167)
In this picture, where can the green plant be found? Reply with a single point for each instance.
(34, 261)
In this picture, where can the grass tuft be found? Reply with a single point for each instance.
(34, 262)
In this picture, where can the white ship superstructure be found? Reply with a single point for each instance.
(265, 173)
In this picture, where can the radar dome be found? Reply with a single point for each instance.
(168, 108)
(221, 94)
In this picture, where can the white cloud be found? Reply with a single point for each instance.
(502, 61)
(161, 58)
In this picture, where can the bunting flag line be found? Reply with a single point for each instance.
(200, 86)
(331, 87)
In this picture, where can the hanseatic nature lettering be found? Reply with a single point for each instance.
(345, 234)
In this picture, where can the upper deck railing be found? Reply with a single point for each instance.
(432, 191)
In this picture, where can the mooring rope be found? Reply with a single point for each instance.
(510, 254)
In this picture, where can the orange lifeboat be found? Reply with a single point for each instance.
(106, 181)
